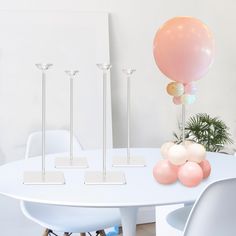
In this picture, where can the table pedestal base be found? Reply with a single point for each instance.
(128, 220)
(111, 178)
(75, 163)
(49, 178)
(135, 161)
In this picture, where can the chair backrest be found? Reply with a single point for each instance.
(57, 141)
(214, 213)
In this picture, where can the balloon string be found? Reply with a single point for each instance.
(183, 123)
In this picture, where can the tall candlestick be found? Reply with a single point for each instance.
(128, 160)
(43, 177)
(104, 177)
(71, 162)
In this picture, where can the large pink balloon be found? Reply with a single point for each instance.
(165, 173)
(190, 174)
(184, 49)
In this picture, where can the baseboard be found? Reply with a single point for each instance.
(146, 215)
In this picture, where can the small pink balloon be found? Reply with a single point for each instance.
(177, 100)
(190, 174)
(165, 148)
(184, 49)
(165, 173)
(190, 88)
(206, 168)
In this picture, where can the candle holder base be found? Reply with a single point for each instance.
(76, 163)
(134, 161)
(111, 178)
(37, 178)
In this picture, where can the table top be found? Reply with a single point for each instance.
(141, 188)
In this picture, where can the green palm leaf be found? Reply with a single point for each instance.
(212, 133)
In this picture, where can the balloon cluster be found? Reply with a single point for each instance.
(184, 50)
(182, 93)
(185, 162)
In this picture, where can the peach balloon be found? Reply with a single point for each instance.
(184, 49)
(196, 152)
(165, 148)
(175, 89)
(177, 154)
(165, 173)
(190, 174)
(206, 168)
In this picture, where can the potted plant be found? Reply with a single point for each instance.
(212, 133)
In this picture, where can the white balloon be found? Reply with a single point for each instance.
(196, 152)
(165, 148)
(177, 154)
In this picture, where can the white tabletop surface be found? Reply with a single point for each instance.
(141, 188)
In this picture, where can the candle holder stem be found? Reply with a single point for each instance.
(43, 120)
(128, 161)
(104, 122)
(104, 177)
(43, 177)
(71, 118)
(183, 123)
(71, 162)
(128, 120)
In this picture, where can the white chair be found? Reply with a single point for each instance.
(70, 219)
(57, 141)
(177, 218)
(64, 218)
(13, 222)
(214, 213)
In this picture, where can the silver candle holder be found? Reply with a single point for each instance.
(104, 177)
(43, 176)
(128, 160)
(71, 162)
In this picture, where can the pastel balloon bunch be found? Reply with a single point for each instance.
(183, 94)
(184, 50)
(184, 162)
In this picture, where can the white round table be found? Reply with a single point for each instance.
(141, 188)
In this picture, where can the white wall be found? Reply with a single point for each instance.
(133, 24)
(68, 40)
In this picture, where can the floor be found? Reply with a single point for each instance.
(146, 230)
(142, 230)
